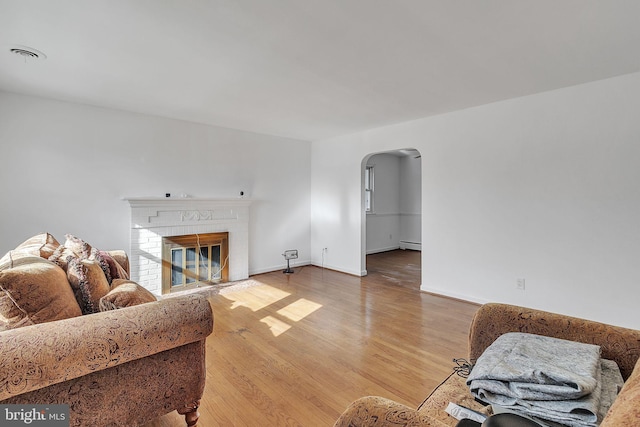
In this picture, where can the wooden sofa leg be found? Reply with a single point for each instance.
(191, 413)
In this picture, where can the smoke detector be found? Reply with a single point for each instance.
(27, 53)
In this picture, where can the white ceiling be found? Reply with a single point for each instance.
(311, 69)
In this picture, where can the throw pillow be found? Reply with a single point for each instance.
(42, 245)
(104, 264)
(125, 293)
(34, 290)
(61, 256)
(112, 269)
(122, 259)
(88, 283)
(10, 258)
(6, 257)
(78, 246)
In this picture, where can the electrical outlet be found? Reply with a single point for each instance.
(324, 250)
(520, 284)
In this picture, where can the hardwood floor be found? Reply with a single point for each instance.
(296, 349)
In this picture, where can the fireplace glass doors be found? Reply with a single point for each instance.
(194, 260)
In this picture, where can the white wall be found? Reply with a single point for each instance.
(383, 224)
(543, 187)
(411, 200)
(66, 167)
(337, 205)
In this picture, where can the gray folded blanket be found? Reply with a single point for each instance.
(558, 380)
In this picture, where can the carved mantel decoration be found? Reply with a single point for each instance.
(210, 215)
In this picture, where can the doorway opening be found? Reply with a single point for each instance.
(391, 204)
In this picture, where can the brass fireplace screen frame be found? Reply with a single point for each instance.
(197, 241)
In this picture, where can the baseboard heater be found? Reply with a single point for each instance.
(415, 246)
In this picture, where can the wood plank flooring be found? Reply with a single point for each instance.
(296, 349)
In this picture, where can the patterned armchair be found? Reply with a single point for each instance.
(491, 321)
(115, 368)
(74, 330)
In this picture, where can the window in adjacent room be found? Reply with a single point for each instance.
(368, 189)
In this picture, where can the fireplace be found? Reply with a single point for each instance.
(158, 223)
(194, 260)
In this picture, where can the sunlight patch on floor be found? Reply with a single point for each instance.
(294, 312)
(277, 326)
(261, 298)
(298, 310)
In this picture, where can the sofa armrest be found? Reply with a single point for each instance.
(625, 411)
(40, 355)
(492, 320)
(374, 411)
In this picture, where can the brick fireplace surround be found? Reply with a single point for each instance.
(155, 218)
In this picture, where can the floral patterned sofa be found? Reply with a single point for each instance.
(490, 322)
(106, 347)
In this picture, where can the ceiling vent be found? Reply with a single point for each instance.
(27, 52)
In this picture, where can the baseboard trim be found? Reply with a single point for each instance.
(294, 265)
(414, 246)
(379, 250)
(453, 295)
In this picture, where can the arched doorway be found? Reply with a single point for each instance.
(392, 211)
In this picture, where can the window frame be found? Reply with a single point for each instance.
(369, 189)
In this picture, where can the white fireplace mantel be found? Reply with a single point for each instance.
(164, 201)
(153, 218)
